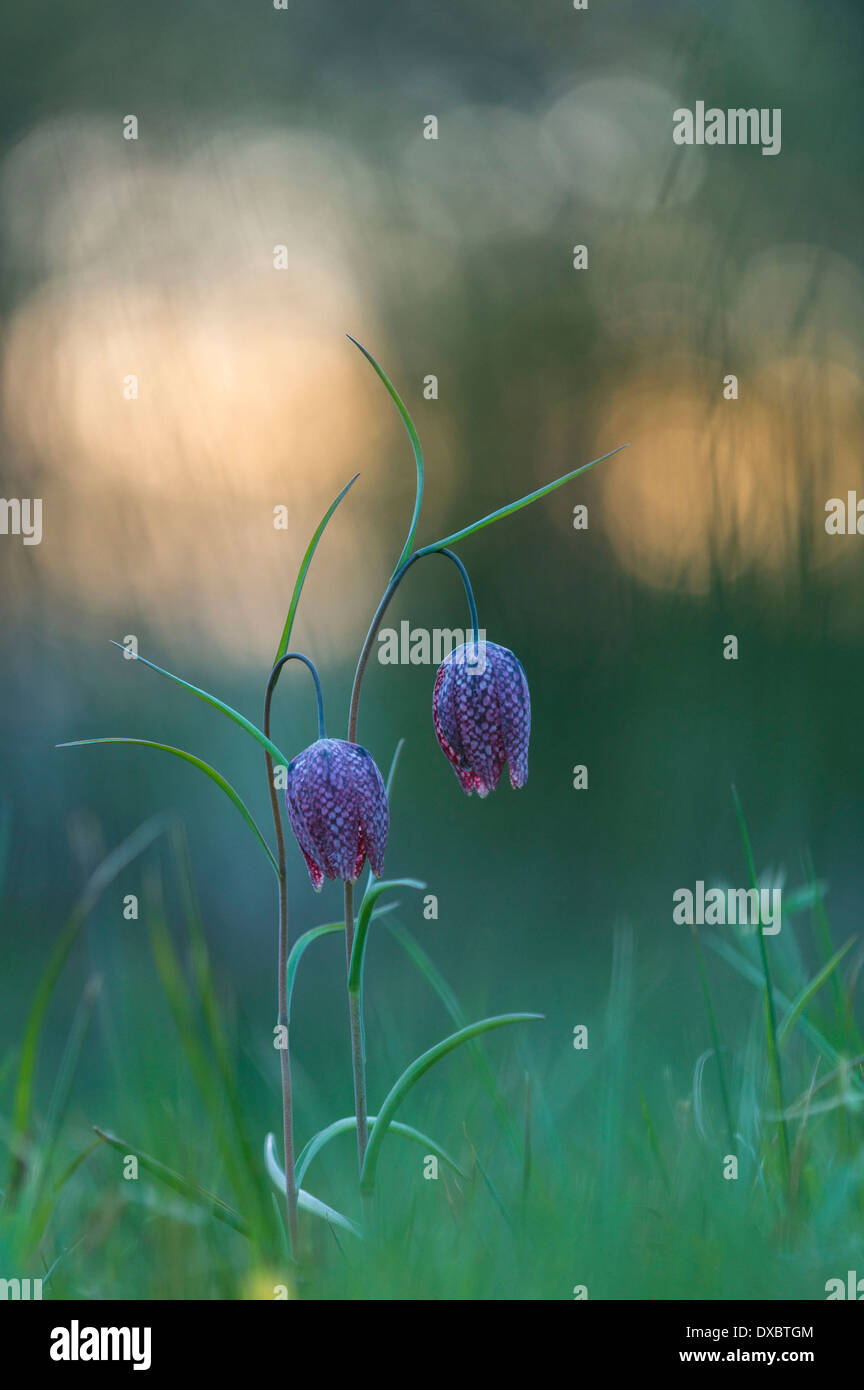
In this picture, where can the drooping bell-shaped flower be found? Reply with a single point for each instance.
(337, 806)
(482, 713)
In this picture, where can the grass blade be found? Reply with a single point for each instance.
(239, 719)
(770, 1016)
(302, 942)
(412, 1075)
(517, 506)
(298, 949)
(433, 977)
(304, 566)
(802, 999)
(211, 772)
(177, 1182)
(305, 1200)
(322, 1138)
(415, 445)
(112, 865)
(364, 916)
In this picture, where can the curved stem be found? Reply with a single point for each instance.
(379, 615)
(284, 1051)
(274, 677)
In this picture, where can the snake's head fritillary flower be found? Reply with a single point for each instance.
(482, 713)
(337, 806)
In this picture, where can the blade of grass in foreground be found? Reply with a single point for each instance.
(770, 1017)
(214, 1015)
(318, 1141)
(433, 977)
(305, 1200)
(201, 1198)
(412, 1075)
(203, 1068)
(112, 865)
(35, 1201)
(803, 998)
(210, 772)
(304, 567)
(364, 917)
(715, 1039)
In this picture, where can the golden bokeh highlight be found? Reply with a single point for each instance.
(715, 488)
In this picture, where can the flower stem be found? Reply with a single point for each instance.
(398, 576)
(355, 998)
(358, 1042)
(282, 1003)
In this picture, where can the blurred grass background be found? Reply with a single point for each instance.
(155, 257)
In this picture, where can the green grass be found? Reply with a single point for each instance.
(611, 1178)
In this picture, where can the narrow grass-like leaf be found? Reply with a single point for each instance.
(364, 916)
(305, 1200)
(234, 715)
(517, 506)
(415, 445)
(770, 1015)
(304, 567)
(298, 949)
(211, 772)
(802, 999)
(744, 967)
(112, 865)
(412, 1075)
(214, 1017)
(433, 977)
(715, 1038)
(177, 1182)
(652, 1139)
(38, 1206)
(318, 1141)
(304, 941)
(203, 1068)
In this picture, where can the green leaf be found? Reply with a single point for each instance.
(436, 980)
(802, 999)
(750, 972)
(364, 916)
(412, 1074)
(302, 942)
(301, 573)
(415, 445)
(517, 506)
(298, 949)
(211, 772)
(318, 1141)
(233, 714)
(178, 1183)
(305, 1200)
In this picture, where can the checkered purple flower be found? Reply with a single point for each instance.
(337, 806)
(482, 713)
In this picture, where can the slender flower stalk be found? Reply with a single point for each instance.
(282, 1000)
(355, 1000)
(398, 576)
